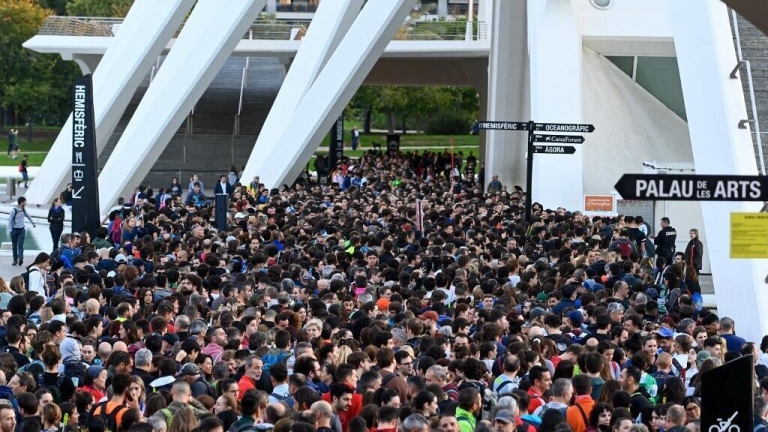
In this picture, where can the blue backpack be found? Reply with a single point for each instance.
(273, 357)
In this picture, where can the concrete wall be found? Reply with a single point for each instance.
(631, 126)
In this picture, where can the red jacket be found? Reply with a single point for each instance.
(352, 412)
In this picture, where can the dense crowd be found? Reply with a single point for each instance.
(401, 295)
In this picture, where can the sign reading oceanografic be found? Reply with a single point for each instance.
(563, 127)
(558, 139)
(685, 187)
(336, 147)
(85, 186)
(568, 150)
(503, 125)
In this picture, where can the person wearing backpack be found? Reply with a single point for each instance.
(578, 415)
(112, 411)
(61, 387)
(35, 276)
(470, 405)
(17, 230)
(182, 397)
(278, 355)
(278, 374)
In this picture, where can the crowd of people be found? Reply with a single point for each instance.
(403, 296)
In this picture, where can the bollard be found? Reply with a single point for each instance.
(10, 188)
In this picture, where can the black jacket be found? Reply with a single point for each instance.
(56, 217)
(694, 253)
(227, 189)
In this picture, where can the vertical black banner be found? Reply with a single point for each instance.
(336, 147)
(85, 186)
(727, 397)
(393, 142)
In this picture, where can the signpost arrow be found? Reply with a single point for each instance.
(564, 127)
(692, 187)
(76, 194)
(503, 125)
(569, 150)
(559, 139)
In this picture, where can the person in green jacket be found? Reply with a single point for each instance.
(470, 404)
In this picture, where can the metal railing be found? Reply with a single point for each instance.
(268, 30)
(755, 120)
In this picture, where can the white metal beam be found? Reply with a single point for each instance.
(330, 24)
(206, 42)
(334, 87)
(147, 28)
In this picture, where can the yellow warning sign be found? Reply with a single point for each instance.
(749, 235)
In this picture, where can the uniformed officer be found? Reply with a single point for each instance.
(665, 241)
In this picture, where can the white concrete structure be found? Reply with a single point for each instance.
(146, 30)
(542, 62)
(350, 63)
(715, 105)
(208, 38)
(330, 24)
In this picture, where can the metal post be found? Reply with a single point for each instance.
(529, 175)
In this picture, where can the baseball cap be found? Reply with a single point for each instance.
(120, 258)
(665, 333)
(170, 338)
(652, 293)
(576, 317)
(94, 371)
(505, 415)
(189, 369)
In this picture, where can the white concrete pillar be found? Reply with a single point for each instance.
(205, 43)
(714, 105)
(271, 7)
(87, 62)
(329, 25)
(442, 8)
(143, 35)
(508, 86)
(556, 98)
(484, 18)
(334, 87)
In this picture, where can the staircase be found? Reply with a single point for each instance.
(212, 147)
(754, 48)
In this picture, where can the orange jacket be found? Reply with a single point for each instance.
(574, 417)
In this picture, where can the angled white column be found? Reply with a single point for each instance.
(328, 27)
(714, 105)
(556, 98)
(334, 87)
(147, 28)
(206, 42)
(508, 89)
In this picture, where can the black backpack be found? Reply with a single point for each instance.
(25, 276)
(55, 389)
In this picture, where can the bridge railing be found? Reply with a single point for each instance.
(268, 30)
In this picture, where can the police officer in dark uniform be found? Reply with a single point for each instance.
(665, 241)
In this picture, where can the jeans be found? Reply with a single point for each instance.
(56, 235)
(17, 239)
(24, 177)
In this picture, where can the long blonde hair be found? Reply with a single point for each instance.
(4, 286)
(183, 421)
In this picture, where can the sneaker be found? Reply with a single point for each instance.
(14, 263)
(21, 263)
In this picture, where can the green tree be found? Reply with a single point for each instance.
(31, 83)
(99, 8)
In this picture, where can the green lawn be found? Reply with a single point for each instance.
(35, 159)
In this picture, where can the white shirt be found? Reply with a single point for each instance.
(37, 281)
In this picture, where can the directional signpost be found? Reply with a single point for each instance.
(566, 150)
(558, 139)
(553, 143)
